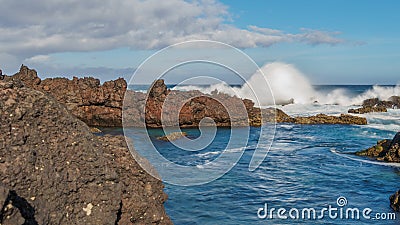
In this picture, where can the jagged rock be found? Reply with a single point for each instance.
(172, 136)
(368, 109)
(95, 104)
(273, 115)
(384, 150)
(187, 108)
(393, 102)
(395, 201)
(58, 172)
(325, 119)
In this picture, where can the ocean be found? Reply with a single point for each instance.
(305, 169)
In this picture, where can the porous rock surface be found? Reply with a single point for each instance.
(55, 171)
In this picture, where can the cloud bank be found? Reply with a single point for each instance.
(32, 30)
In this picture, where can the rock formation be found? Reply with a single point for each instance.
(101, 105)
(165, 107)
(395, 201)
(326, 119)
(368, 109)
(393, 102)
(278, 116)
(384, 150)
(95, 104)
(55, 171)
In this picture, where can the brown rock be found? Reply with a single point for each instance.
(95, 104)
(187, 108)
(368, 109)
(272, 115)
(395, 201)
(325, 119)
(58, 172)
(393, 102)
(385, 150)
(172, 136)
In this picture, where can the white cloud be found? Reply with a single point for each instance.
(38, 59)
(31, 30)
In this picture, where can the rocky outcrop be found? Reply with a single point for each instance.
(273, 115)
(95, 104)
(55, 171)
(384, 150)
(278, 116)
(392, 103)
(102, 105)
(165, 107)
(395, 201)
(368, 109)
(326, 119)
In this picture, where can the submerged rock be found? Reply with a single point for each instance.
(384, 150)
(173, 136)
(55, 171)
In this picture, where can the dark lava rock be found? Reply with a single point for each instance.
(368, 109)
(385, 150)
(55, 171)
(393, 102)
(395, 201)
(95, 104)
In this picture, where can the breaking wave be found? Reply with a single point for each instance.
(289, 85)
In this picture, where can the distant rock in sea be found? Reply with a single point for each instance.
(392, 103)
(368, 109)
(326, 119)
(55, 171)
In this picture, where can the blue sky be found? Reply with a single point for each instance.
(331, 42)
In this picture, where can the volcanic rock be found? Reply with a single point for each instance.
(395, 201)
(273, 115)
(95, 104)
(163, 107)
(55, 171)
(392, 103)
(368, 109)
(384, 150)
(325, 119)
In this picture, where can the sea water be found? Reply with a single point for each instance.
(306, 167)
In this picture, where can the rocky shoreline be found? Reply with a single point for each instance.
(51, 161)
(102, 105)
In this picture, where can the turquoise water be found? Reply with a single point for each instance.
(300, 171)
